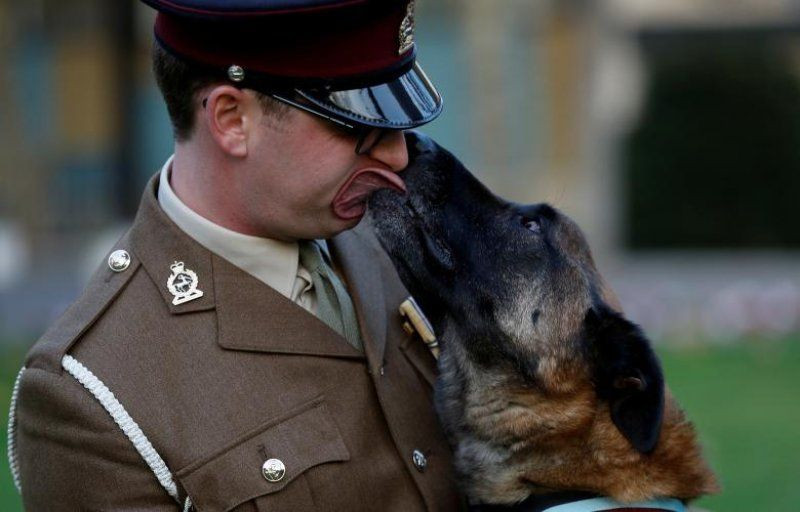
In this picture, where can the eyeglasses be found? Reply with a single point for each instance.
(367, 136)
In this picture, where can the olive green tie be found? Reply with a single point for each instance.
(334, 306)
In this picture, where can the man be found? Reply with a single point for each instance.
(223, 359)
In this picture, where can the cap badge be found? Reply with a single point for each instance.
(183, 284)
(407, 29)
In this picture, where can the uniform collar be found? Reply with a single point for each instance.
(275, 263)
(273, 322)
(270, 261)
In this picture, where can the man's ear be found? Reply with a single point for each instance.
(225, 111)
(627, 375)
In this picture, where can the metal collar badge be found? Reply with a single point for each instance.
(183, 284)
(417, 322)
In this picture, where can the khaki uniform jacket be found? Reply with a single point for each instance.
(220, 384)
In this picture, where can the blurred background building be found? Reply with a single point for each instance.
(670, 130)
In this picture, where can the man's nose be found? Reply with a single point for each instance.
(391, 150)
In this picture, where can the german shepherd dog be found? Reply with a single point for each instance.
(544, 385)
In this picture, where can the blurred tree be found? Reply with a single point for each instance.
(126, 190)
(715, 160)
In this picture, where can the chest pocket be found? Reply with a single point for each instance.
(302, 438)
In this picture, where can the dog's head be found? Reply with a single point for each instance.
(516, 285)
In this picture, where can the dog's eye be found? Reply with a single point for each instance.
(532, 225)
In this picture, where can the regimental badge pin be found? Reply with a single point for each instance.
(416, 321)
(407, 29)
(183, 284)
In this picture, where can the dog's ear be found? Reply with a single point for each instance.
(627, 374)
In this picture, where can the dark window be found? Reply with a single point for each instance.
(715, 160)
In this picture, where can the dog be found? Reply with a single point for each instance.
(546, 392)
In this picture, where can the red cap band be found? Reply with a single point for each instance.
(344, 43)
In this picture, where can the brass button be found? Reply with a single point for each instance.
(420, 461)
(236, 73)
(119, 260)
(273, 470)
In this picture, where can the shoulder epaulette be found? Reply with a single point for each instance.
(104, 286)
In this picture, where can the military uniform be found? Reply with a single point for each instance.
(178, 380)
(223, 383)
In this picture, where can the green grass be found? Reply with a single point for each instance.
(743, 399)
(745, 403)
(10, 363)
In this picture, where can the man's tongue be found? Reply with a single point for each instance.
(351, 200)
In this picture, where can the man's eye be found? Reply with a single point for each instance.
(342, 131)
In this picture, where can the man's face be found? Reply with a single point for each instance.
(302, 179)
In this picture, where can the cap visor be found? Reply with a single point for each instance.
(408, 101)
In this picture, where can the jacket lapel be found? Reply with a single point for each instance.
(359, 262)
(158, 243)
(377, 293)
(251, 316)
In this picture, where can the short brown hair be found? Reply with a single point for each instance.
(179, 82)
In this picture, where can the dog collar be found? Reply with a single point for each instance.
(609, 505)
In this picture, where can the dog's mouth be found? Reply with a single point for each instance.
(406, 228)
(435, 251)
(407, 235)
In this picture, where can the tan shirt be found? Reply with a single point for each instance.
(275, 263)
